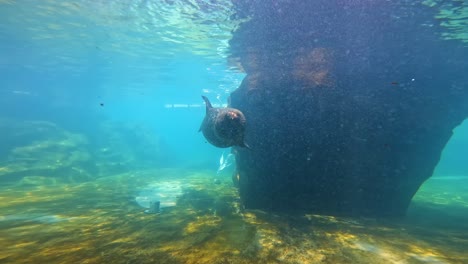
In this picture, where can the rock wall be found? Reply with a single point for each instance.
(349, 104)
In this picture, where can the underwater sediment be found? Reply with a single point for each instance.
(346, 113)
(100, 222)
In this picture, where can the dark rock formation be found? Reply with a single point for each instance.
(348, 104)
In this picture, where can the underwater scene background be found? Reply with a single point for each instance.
(100, 109)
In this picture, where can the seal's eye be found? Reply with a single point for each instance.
(232, 115)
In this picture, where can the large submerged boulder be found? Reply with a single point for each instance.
(348, 103)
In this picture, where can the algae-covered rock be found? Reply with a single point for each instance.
(346, 120)
(42, 148)
(45, 149)
(38, 181)
(453, 18)
(119, 147)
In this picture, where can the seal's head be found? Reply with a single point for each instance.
(223, 127)
(230, 125)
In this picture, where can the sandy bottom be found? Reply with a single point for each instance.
(101, 222)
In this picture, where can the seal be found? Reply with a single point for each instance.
(223, 127)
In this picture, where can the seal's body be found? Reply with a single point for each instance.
(223, 127)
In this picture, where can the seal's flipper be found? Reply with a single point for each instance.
(207, 103)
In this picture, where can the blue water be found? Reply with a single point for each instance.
(61, 62)
(93, 90)
(453, 160)
(54, 68)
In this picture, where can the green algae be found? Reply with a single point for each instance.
(51, 215)
(100, 222)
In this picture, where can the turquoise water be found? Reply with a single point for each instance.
(453, 161)
(61, 60)
(100, 108)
